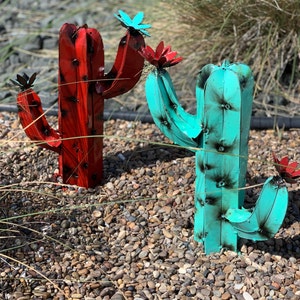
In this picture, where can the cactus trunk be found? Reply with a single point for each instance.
(222, 164)
(80, 107)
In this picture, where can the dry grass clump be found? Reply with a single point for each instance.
(263, 34)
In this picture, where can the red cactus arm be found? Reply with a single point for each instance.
(127, 68)
(34, 122)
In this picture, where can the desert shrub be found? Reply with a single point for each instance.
(263, 34)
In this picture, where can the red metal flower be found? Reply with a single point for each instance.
(162, 57)
(286, 170)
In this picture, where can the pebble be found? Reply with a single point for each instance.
(247, 296)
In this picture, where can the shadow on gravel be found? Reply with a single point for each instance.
(141, 157)
(285, 247)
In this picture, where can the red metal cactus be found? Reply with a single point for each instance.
(83, 86)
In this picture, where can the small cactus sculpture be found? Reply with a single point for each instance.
(218, 133)
(83, 86)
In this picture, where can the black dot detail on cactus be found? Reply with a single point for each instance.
(75, 62)
(172, 104)
(265, 231)
(204, 167)
(211, 200)
(205, 128)
(61, 76)
(221, 215)
(203, 76)
(85, 78)
(45, 130)
(85, 165)
(64, 112)
(243, 81)
(93, 131)
(221, 147)
(200, 201)
(164, 122)
(94, 176)
(73, 99)
(224, 181)
(201, 235)
(226, 106)
(35, 103)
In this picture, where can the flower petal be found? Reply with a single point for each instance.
(176, 61)
(144, 32)
(171, 55)
(292, 167)
(296, 174)
(126, 19)
(138, 18)
(148, 52)
(159, 50)
(284, 161)
(167, 49)
(143, 26)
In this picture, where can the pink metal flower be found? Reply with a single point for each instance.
(286, 170)
(162, 57)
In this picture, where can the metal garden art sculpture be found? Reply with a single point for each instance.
(218, 133)
(83, 86)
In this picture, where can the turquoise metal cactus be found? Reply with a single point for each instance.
(218, 133)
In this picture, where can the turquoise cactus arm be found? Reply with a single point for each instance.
(178, 125)
(267, 216)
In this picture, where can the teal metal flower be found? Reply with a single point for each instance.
(135, 23)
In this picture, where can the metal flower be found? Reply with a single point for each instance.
(24, 82)
(162, 57)
(135, 23)
(287, 170)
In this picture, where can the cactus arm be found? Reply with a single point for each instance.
(81, 108)
(188, 123)
(178, 125)
(267, 216)
(32, 116)
(127, 68)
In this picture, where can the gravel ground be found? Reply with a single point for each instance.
(132, 237)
